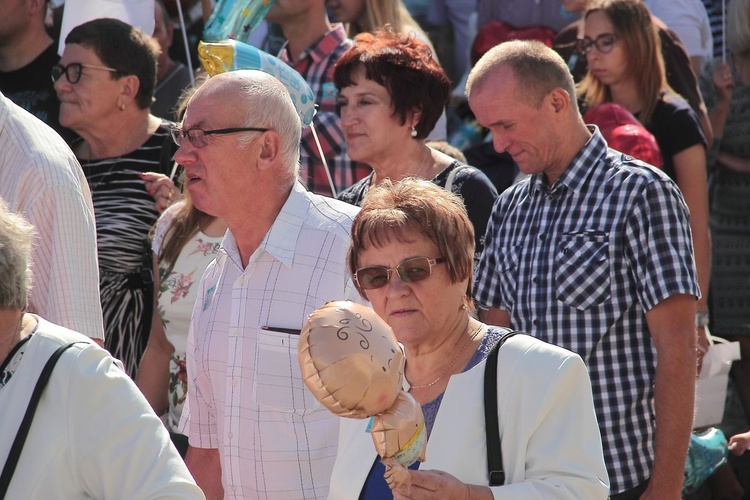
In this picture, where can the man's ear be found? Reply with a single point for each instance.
(270, 149)
(559, 99)
(34, 6)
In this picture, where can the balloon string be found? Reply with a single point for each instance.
(185, 41)
(323, 158)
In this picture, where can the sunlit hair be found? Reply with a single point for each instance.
(124, 48)
(537, 68)
(405, 67)
(269, 105)
(16, 236)
(378, 13)
(410, 209)
(639, 37)
(738, 27)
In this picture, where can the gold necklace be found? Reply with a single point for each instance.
(453, 361)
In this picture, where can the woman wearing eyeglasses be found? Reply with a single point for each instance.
(105, 83)
(411, 257)
(625, 66)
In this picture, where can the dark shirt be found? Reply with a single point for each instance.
(31, 88)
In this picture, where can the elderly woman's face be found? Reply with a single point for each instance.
(420, 313)
(370, 126)
(93, 97)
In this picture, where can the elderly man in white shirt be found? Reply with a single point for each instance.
(41, 178)
(254, 429)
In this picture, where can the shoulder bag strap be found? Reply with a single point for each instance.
(452, 177)
(23, 430)
(492, 429)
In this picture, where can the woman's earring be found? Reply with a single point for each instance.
(413, 131)
(464, 306)
(122, 106)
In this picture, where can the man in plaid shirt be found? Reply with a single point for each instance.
(313, 47)
(592, 252)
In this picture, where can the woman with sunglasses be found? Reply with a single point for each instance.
(411, 257)
(625, 66)
(105, 82)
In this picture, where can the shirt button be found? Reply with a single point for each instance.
(535, 279)
(229, 435)
(234, 382)
(541, 237)
(535, 322)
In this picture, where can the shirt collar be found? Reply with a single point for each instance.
(281, 239)
(319, 50)
(577, 172)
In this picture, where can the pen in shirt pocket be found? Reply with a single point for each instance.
(289, 331)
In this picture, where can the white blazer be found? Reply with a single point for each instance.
(550, 438)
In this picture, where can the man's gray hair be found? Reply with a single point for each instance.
(16, 235)
(269, 105)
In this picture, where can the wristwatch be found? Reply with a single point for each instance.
(701, 320)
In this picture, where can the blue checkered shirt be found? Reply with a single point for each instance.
(578, 264)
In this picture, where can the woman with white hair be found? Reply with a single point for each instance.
(92, 433)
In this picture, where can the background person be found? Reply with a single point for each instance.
(93, 434)
(42, 180)
(412, 258)
(105, 82)
(625, 66)
(391, 93)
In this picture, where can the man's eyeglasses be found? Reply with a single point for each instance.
(411, 270)
(604, 43)
(199, 137)
(73, 71)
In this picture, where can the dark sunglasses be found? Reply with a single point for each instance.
(411, 270)
(604, 43)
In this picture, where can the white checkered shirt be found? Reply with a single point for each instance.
(41, 178)
(246, 394)
(578, 265)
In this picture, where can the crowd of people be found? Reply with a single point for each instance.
(164, 237)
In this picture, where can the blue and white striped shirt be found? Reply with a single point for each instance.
(578, 264)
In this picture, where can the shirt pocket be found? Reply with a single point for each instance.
(278, 381)
(582, 273)
(507, 271)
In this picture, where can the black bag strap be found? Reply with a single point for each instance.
(492, 429)
(23, 430)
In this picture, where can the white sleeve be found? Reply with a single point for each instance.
(120, 447)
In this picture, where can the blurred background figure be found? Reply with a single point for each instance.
(625, 66)
(27, 54)
(105, 82)
(92, 430)
(688, 18)
(386, 122)
(726, 87)
(172, 77)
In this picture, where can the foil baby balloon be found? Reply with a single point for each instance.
(228, 55)
(353, 365)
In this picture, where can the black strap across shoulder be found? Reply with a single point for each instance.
(492, 429)
(23, 430)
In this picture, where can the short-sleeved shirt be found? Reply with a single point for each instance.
(578, 264)
(315, 64)
(247, 397)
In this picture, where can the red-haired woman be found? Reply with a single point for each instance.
(391, 94)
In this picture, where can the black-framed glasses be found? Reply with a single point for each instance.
(199, 137)
(73, 71)
(411, 270)
(604, 43)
